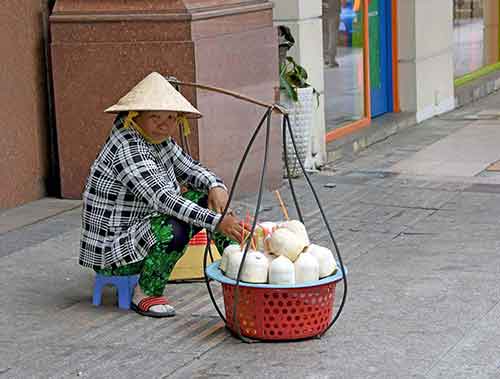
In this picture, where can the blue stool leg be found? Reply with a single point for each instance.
(132, 282)
(98, 285)
(123, 292)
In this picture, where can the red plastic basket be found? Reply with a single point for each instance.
(280, 313)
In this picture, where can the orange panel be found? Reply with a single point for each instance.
(348, 129)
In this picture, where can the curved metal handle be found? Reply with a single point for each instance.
(323, 216)
(286, 126)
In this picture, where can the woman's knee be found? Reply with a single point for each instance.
(181, 234)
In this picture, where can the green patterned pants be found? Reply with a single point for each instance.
(173, 237)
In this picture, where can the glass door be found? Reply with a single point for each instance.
(344, 47)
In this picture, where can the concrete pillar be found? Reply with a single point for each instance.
(303, 17)
(425, 30)
(491, 31)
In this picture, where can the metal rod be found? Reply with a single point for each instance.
(276, 108)
(290, 183)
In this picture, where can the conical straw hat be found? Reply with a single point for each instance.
(154, 93)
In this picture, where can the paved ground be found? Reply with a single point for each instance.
(423, 257)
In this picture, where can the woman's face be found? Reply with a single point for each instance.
(158, 125)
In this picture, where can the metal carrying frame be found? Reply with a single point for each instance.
(286, 128)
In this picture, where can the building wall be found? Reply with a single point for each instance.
(24, 145)
(425, 30)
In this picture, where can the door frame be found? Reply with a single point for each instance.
(382, 97)
(366, 120)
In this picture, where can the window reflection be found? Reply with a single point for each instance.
(469, 37)
(344, 70)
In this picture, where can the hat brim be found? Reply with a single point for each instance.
(154, 93)
(117, 109)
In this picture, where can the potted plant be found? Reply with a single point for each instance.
(297, 96)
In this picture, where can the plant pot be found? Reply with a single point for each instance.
(301, 116)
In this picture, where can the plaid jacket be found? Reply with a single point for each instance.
(130, 181)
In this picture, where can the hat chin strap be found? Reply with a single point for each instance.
(130, 123)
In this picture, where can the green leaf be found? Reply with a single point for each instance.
(293, 79)
(302, 72)
(282, 69)
(290, 91)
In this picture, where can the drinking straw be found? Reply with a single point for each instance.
(242, 236)
(282, 205)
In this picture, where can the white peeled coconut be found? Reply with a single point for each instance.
(262, 233)
(233, 264)
(230, 249)
(327, 264)
(284, 242)
(306, 268)
(255, 268)
(270, 257)
(282, 271)
(298, 229)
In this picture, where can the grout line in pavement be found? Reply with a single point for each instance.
(198, 357)
(39, 220)
(399, 206)
(463, 337)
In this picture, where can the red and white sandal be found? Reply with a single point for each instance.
(144, 306)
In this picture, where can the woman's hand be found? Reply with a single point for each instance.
(217, 199)
(233, 228)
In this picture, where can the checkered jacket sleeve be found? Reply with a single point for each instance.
(190, 171)
(136, 168)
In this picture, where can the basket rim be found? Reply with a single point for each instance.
(213, 272)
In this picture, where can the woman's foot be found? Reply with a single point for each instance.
(153, 306)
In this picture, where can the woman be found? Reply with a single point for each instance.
(135, 219)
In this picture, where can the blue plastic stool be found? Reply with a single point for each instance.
(124, 286)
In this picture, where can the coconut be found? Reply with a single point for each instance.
(282, 271)
(327, 263)
(306, 268)
(255, 268)
(298, 229)
(270, 257)
(233, 264)
(230, 249)
(284, 242)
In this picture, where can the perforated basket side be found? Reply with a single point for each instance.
(281, 314)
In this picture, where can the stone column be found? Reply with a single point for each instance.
(491, 31)
(303, 17)
(425, 30)
(101, 48)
